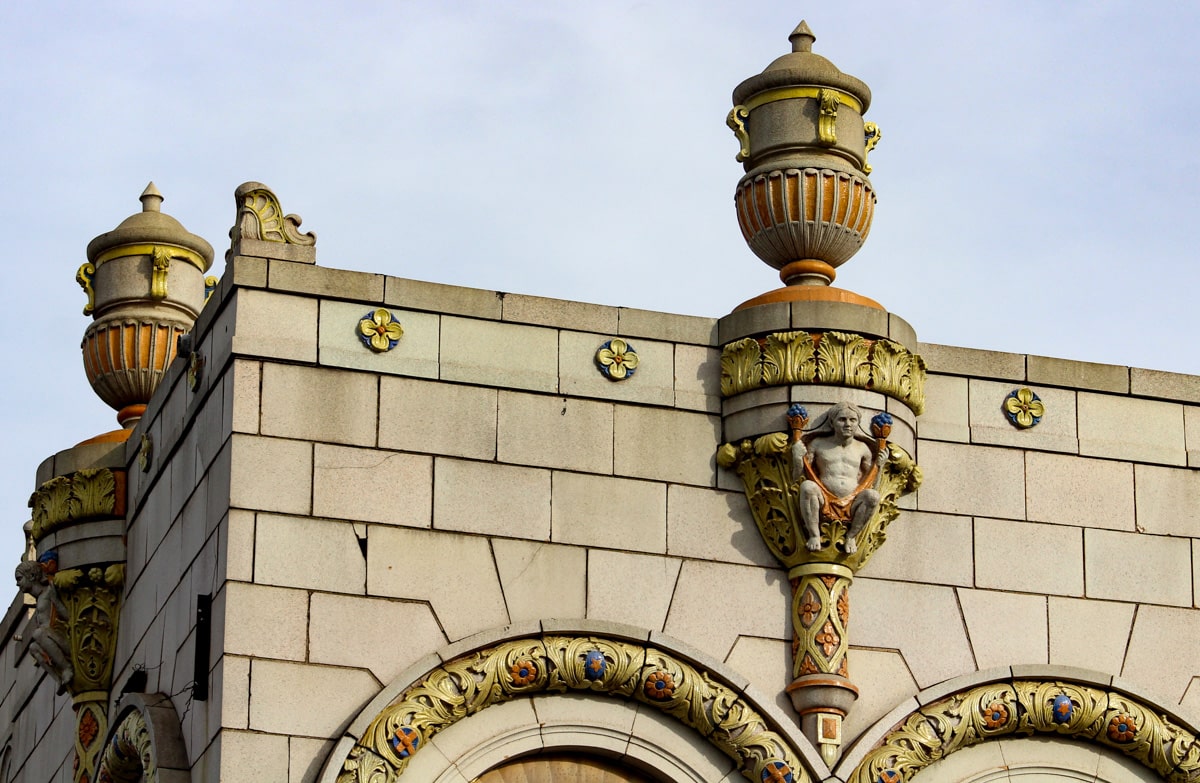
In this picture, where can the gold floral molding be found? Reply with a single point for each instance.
(765, 468)
(830, 358)
(261, 217)
(1026, 708)
(558, 664)
(85, 494)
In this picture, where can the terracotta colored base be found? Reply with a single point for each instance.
(116, 436)
(809, 293)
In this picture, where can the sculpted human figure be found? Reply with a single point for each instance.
(48, 643)
(838, 475)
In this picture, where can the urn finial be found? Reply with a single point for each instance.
(145, 286)
(805, 204)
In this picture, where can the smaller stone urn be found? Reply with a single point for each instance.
(805, 204)
(145, 286)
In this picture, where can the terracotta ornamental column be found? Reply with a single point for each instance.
(145, 286)
(821, 385)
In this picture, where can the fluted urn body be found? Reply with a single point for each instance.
(145, 284)
(805, 203)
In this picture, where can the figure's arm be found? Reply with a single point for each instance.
(799, 451)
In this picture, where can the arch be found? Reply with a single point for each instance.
(393, 729)
(145, 743)
(1029, 701)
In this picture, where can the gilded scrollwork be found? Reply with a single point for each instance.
(93, 602)
(736, 120)
(261, 217)
(1027, 708)
(84, 276)
(85, 494)
(828, 358)
(872, 136)
(525, 667)
(829, 101)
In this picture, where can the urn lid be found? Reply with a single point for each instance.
(801, 67)
(151, 225)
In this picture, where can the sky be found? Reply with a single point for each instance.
(1036, 179)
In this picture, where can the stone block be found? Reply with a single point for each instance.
(608, 722)
(1069, 490)
(1159, 636)
(1167, 499)
(541, 580)
(275, 325)
(270, 474)
(346, 631)
(438, 298)
(629, 588)
(312, 403)
(499, 354)
(979, 480)
(1005, 627)
(247, 272)
(705, 615)
(753, 321)
(667, 326)
(1055, 432)
(488, 738)
(235, 691)
(1164, 385)
(1131, 429)
(666, 445)
(921, 547)
(325, 281)
(1089, 634)
(766, 661)
(653, 730)
(972, 362)
(438, 418)
(653, 381)
(559, 313)
(339, 342)
(817, 316)
(698, 378)
(555, 432)
(305, 700)
(929, 612)
(485, 497)
(249, 757)
(883, 681)
(306, 757)
(250, 610)
(708, 524)
(456, 574)
(372, 485)
(310, 553)
(609, 512)
(1138, 568)
(1191, 434)
(1027, 557)
(1078, 375)
(946, 410)
(901, 331)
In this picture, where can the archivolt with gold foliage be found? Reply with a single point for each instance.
(1033, 707)
(604, 666)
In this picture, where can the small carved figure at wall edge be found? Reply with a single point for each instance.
(838, 472)
(48, 639)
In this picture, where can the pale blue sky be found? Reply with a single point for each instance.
(1036, 179)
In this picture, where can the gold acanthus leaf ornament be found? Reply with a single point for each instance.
(1028, 708)
(91, 493)
(826, 358)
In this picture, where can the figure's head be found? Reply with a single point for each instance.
(29, 574)
(844, 417)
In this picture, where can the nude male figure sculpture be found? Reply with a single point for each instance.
(839, 475)
(48, 643)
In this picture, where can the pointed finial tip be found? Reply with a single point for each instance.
(802, 38)
(151, 198)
